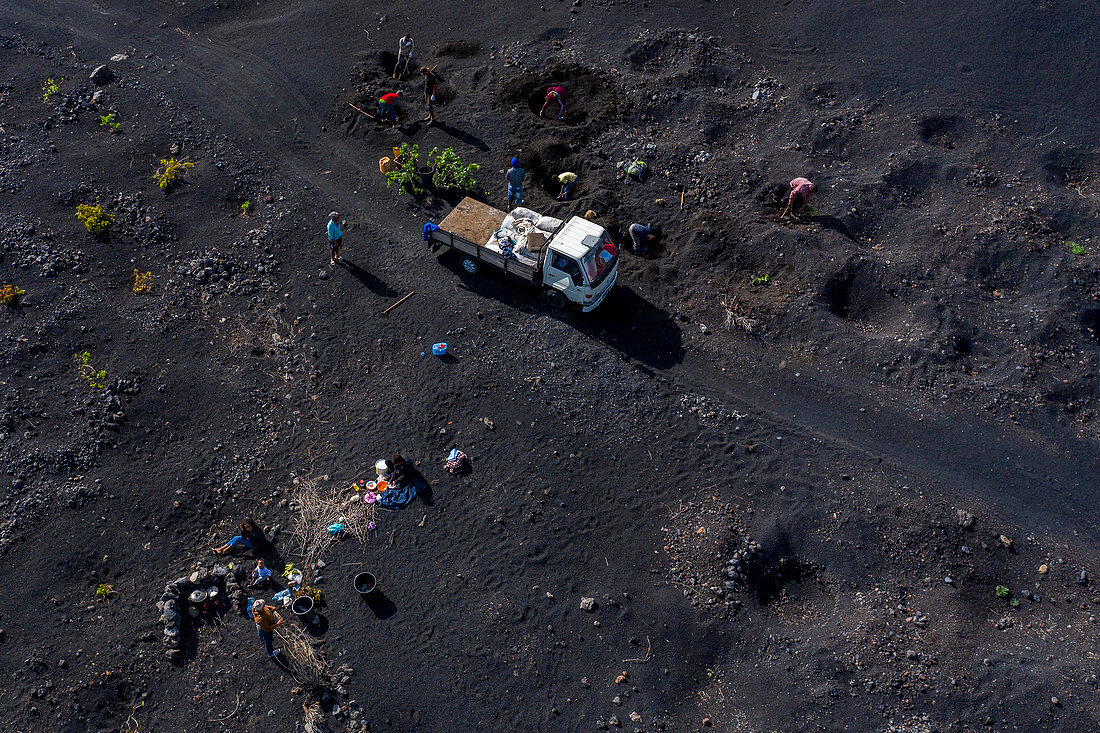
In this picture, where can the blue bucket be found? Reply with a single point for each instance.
(439, 349)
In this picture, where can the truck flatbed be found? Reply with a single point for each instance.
(469, 227)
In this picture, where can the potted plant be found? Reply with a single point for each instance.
(406, 170)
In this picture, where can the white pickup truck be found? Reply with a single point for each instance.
(573, 262)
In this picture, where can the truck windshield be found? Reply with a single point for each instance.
(599, 261)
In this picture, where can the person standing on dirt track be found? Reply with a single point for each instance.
(431, 81)
(387, 107)
(335, 236)
(801, 191)
(266, 620)
(555, 94)
(404, 54)
(515, 176)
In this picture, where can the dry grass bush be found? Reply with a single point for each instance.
(307, 664)
(313, 720)
(318, 508)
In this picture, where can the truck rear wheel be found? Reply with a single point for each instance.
(470, 265)
(555, 298)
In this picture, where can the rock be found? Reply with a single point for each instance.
(706, 722)
(322, 274)
(912, 654)
(635, 717)
(102, 75)
(1055, 701)
(589, 605)
(585, 683)
(614, 721)
(964, 518)
(620, 679)
(1083, 578)
(1044, 569)
(1006, 542)
(616, 700)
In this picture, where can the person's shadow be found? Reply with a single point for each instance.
(368, 280)
(466, 137)
(423, 487)
(831, 222)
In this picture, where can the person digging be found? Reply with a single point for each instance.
(387, 107)
(555, 94)
(802, 189)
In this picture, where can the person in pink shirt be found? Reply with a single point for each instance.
(801, 191)
(555, 94)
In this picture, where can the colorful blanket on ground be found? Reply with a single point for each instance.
(398, 497)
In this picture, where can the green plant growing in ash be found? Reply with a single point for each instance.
(49, 88)
(95, 377)
(170, 171)
(94, 218)
(1002, 591)
(404, 172)
(450, 173)
(245, 208)
(760, 279)
(104, 592)
(108, 121)
(1076, 249)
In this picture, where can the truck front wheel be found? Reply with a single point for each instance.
(555, 298)
(470, 265)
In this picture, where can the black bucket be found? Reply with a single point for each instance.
(366, 584)
(303, 609)
(425, 173)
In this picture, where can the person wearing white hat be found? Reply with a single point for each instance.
(266, 620)
(335, 236)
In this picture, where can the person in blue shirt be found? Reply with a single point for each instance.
(515, 176)
(261, 574)
(335, 235)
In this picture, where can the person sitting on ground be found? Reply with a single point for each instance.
(387, 107)
(642, 236)
(266, 618)
(431, 83)
(515, 176)
(261, 574)
(566, 180)
(555, 94)
(801, 191)
(404, 54)
(249, 539)
(400, 470)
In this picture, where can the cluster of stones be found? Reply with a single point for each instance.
(741, 562)
(173, 601)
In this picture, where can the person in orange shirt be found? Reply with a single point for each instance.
(266, 620)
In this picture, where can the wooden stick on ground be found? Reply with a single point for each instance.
(399, 302)
(682, 194)
(360, 111)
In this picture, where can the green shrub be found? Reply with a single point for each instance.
(246, 207)
(108, 121)
(95, 377)
(169, 172)
(10, 294)
(450, 173)
(760, 279)
(49, 88)
(404, 172)
(1001, 591)
(94, 218)
(1076, 249)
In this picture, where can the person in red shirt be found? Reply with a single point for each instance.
(555, 94)
(387, 107)
(801, 191)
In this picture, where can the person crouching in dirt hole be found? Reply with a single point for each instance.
(431, 83)
(387, 107)
(335, 236)
(643, 236)
(555, 94)
(802, 189)
(515, 176)
(404, 55)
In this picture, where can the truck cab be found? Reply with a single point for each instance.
(580, 265)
